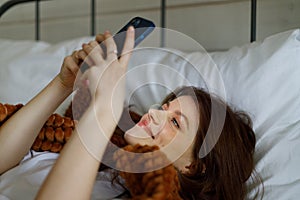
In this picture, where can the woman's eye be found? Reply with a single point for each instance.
(174, 121)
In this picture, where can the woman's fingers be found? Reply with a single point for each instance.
(91, 54)
(100, 38)
(82, 55)
(128, 46)
(96, 52)
(72, 64)
(111, 47)
(69, 71)
(87, 49)
(75, 57)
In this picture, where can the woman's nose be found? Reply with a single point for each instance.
(158, 118)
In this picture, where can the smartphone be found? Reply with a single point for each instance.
(143, 27)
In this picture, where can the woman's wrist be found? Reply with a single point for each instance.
(62, 87)
(104, 116)
(94, 132)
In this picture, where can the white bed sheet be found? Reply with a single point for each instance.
(24, 181)
(261, 78)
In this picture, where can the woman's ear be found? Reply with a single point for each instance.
(189, 167)
(182, 165)
(185, 161)
(185, 169)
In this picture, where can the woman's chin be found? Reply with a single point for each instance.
(137, 135)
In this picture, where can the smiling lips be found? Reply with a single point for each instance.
(143, 123)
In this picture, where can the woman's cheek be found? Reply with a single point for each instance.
(166, 137)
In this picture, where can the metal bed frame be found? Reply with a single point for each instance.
(163, 7)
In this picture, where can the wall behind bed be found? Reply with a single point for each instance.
(216, 24)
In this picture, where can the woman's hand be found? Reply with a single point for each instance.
(69, 70)
(71, 64)
(106, 76)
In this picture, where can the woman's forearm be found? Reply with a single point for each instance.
(77, 165)
(79, 161)
(18, 133)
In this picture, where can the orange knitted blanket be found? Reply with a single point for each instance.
(161, 184)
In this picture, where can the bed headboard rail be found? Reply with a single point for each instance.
(7, 5)
(253, 20)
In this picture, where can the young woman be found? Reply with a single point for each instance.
(222, 173)
(178, 128)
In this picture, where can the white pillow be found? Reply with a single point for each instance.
(28, 66)
(261, 78)
(155, 72)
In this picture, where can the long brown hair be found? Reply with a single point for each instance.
(223, 172)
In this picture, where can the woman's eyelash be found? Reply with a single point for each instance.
(174, 121)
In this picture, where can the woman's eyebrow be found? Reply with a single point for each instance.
(184, 117)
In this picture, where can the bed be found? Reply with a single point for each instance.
(260, 77)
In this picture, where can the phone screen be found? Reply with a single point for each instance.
(143, 28)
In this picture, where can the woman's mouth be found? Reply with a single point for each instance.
(143, 123)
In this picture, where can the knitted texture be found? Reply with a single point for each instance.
(7, 110)
(53, 135)
(57, 130)
(160, 184)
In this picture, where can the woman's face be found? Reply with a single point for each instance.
(172, 128)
